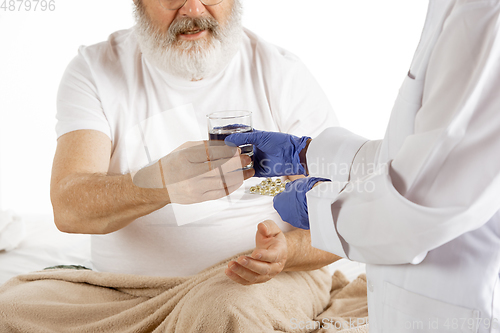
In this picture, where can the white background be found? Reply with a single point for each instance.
(359, 51)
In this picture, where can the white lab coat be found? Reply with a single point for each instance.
(421, 207)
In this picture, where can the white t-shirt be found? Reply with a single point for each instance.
(111, 88)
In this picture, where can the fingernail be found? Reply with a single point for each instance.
(267, 228)
(258, 256)
(232, 267)
(243, 261)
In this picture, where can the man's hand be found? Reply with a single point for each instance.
(197, 172)
(275, 154)
(266, 261)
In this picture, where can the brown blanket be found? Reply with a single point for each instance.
(63, 300)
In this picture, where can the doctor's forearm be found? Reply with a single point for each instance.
(302, 256)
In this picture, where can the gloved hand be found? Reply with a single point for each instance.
(275, 154)
(292, 204)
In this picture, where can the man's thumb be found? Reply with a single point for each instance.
(263, 229)
(268, 228)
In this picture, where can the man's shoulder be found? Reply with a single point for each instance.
(259, 48)
(119, 46)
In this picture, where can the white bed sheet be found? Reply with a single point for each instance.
(46, 246)
(42, 247)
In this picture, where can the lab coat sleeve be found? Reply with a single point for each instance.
(445, 179)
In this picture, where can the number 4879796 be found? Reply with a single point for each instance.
(28, 5)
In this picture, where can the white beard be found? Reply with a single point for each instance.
(191, 60)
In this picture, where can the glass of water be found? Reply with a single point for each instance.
(224, 123)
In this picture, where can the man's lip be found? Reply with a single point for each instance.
(197, 35)
(192, 31)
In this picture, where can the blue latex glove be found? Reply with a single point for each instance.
(292, 203)
(275, 154)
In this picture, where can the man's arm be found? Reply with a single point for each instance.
(87, 200)
(276, 252)
(301, 256)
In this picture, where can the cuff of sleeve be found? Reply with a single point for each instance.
(331, 154)
(302, 145)
(324, 235)
(64, 127)
(364, 163)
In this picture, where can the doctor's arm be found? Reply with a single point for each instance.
(445, 179)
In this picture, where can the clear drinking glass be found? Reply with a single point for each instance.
(224, 123)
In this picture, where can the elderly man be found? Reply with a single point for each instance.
(151, 87)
